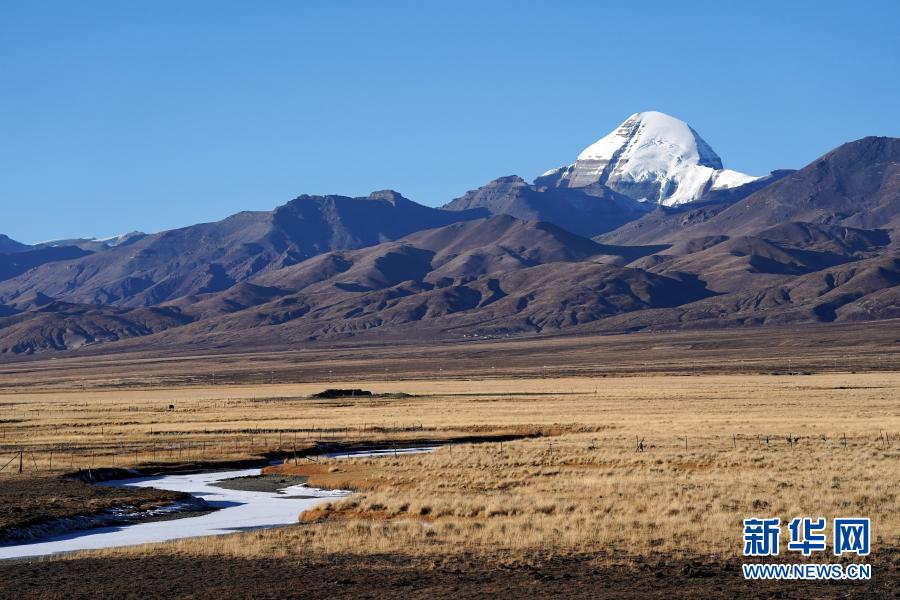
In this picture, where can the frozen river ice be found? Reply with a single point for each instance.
(236, 511)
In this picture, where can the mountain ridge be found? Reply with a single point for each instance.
(213, 256)
(819, 244)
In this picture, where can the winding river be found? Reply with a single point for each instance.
(236, 510)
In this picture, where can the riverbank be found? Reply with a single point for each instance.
(33, 507)
(231, 511)
(244, 499)
(111, 496)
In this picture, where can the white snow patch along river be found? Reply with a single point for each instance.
(237, 511)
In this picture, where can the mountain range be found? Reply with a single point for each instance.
(646, 230)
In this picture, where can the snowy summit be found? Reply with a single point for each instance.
(651, 157)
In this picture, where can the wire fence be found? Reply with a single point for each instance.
(65, 458)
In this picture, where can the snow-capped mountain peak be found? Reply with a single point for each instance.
(651, 156)
(655, 139)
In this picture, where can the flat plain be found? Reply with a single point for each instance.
(592, 466)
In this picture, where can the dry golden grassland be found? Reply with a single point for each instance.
(715, 450)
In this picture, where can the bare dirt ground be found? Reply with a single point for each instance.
(31, 500)
(393, 576)
(643, 455)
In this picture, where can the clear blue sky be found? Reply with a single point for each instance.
(117, 116)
